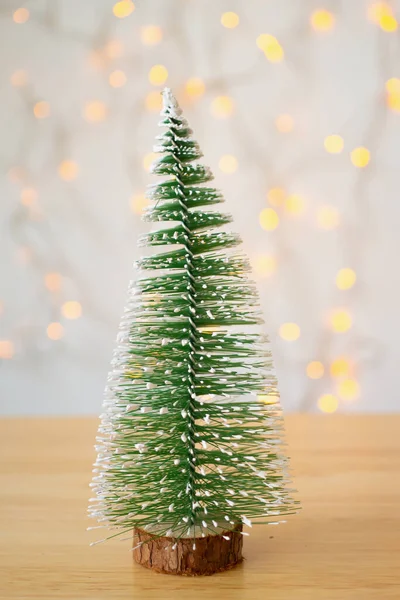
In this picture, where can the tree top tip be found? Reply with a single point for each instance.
(169, 101)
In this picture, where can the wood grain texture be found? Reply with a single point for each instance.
(344, 544)
(212, 554)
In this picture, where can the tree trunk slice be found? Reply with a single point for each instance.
(212, 554)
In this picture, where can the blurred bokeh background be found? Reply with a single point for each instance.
(296, 106)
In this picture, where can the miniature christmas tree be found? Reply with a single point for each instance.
(187, 451)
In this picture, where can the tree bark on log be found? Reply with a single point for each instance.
(212, 553)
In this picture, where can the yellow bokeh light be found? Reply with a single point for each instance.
(19, 78)
(276, 196)
(360, 157)
(294, 205)
(138, 203)
(28, 196)
(269, 219)
(228, 163)
(348, 389)
(21, 15)
(315, 369)
(153, 101)
(55, 331)
(151, 35)
(340, 320)
(68, 170)
(222, 107)
(6, 349)
(284, 123)
(53, 281)
(148, 160)
(289, 332)
(388, 23)
(334, 144)
(264, 265)
(71, 309)
(117, 79)
(377, 10)
(268, 398)
(195, 87)
(328, 403)
(328, 217)
(95, 111)
(345, 279)
(230, 20)
(158, 75)
(114, 49)
(123, 8)
(41, 109)
(393, 85)
(322, 20)
(393, 102)
(340, 367)
(271, 47)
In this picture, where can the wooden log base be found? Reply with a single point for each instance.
(212, 554)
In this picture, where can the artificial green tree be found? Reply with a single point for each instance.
(188, 450)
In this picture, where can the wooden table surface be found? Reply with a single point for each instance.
(344, 544)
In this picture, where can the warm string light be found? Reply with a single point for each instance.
(151, 35)
(294, 205)
(360, 157)
(53, 282)
(315, 369)
(148, 160)
(29, 197)
(222, 107)
(138, 203)
(328, 403)
(340, 320)
(41, 109)
(272, 49)
(340, 367)
(334, 144)
(327, 217)
(393, 94)
(230, 20)
(345, 278)
(269, 219)
(95, 111)
(55, 331)
(6, 349)
(19, 78)
(114, 49)
(348, 389)
(284, 123)
(276, 196)
(228, 163)
(21, 15)
(68, 170)
(322, 20)
(158, 75)
(153, 101)
(117, 79)
(195, 87)
(71, 309)
(264, 265)
(289, 332)
(123, 8)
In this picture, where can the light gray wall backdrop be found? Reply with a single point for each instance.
(78, 116)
